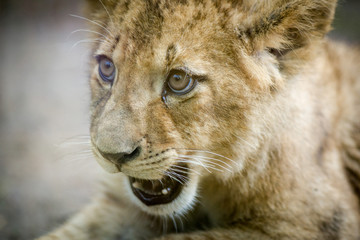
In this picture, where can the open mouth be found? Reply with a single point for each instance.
(162, 191)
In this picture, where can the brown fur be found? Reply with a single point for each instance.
(277, 103)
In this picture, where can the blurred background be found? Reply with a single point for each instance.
(46, 170)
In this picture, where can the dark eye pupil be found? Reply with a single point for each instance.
(177, 78)
(108, 65)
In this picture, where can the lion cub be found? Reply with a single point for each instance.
(222, 119)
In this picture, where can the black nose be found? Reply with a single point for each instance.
(121, 157)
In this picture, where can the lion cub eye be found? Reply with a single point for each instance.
(179, 82)
(106, 69)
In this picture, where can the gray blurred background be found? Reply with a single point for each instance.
(46, 170)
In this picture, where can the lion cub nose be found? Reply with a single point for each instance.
(121, 157)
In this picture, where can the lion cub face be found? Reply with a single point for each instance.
(176, 93)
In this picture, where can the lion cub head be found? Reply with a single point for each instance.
(183, 89)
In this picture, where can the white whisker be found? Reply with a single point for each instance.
(208, 158)
(185, 168)
(76, 154)
(78, 159)
(207, 161)
(96, 23)
(77, 139)
(65, 144)
(99, 40)
(204, 151)
(177, 170)
(74, 150)
(106, 11)
(192, 161)
(86, 151)
(91, 31)
(81, 136)
(207, 166)
(170, 175)
(202, 164)
(246, 142)
(180, 177)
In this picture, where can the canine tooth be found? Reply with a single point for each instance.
(165, 191)
(136, 185)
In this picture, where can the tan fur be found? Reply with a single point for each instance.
(277, 114)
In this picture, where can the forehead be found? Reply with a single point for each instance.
(157, 25)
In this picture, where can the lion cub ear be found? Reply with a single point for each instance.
(284, 25)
